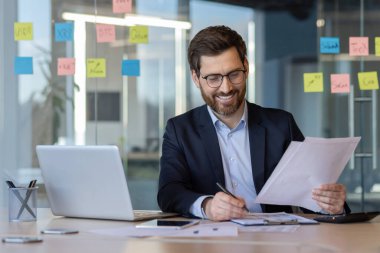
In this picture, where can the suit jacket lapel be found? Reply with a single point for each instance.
(257, 144)
(210, 143)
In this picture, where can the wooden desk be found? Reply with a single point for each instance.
(358, 238)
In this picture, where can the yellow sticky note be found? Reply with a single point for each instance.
(96, 67)
(138, 34)
(313, 82)
(23, 31)
(377, 46)
(368, 80)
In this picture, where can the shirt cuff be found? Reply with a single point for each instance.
(196, 207)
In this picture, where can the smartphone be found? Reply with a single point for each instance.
(21, 239)
(59, 231)
(171, 224)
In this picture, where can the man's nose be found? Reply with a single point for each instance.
(226, 85)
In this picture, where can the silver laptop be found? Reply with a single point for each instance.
(88, 182)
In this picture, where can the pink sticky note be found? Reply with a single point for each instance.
(122, 6)
(66, 66)
(358, 46)
(105, 33)
(340, 83)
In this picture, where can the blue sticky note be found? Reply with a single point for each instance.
(23, 65)
(64, 31)
(130, 68)
(329, 45)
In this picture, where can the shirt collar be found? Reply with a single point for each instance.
(216, 121)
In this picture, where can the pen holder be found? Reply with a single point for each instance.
(22, 204)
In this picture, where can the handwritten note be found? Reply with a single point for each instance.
(130, 68)
(329, 45)
(138, 34)
(377, 46)
(96, 67)
(66, 66)
(313, 82)
(23, 65)
(105, 33)
(23, 31)
(340, 83)
(368, 80)
(64, 31)
(122, 6)
(358, 46)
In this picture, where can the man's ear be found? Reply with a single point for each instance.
(195, 78)
(246, 65)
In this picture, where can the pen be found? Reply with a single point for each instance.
(11, 185)
(229, 193)
(27, 196)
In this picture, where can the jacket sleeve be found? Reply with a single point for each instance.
(175, 193)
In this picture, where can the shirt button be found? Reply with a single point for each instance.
(234, 184)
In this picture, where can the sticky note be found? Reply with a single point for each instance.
(340, 83)
(66, 66)
(377, 46)
(368, 80)
(23, 31)
(122, 6)
(329, 45)
(358, 46)
(23, 65)
(130, 68)
(105, 33)
(138, 34)
(96, 67)
(64, 31)
(313, 82)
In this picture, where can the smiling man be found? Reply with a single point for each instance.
(227, 141)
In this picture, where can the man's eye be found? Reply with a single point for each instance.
(213, 78)
(233, 74)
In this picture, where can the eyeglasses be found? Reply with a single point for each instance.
(235, 77)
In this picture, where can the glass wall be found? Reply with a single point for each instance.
(54, 99)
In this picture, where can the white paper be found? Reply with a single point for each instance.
(203, 230)
(305, 166)
(281, 218)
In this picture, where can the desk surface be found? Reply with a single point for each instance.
(359, 237)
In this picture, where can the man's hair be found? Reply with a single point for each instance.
(211, 41)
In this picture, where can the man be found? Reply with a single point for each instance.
(227, 141)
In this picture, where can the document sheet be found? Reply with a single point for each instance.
(281, 218)
(305, 166)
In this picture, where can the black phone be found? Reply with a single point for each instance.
(173, 224)
(347, 218)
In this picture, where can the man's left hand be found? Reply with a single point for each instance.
(330, 197)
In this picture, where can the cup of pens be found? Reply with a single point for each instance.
(22, 202)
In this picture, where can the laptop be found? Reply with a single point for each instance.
(88, 182)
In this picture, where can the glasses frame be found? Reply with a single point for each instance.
(221, 80)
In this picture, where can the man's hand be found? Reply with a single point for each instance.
(224, 207)
(330, 197)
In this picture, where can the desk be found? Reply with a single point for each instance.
(345, 238)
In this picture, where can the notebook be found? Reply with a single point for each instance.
(88, 182)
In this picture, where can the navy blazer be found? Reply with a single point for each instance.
(191, 161)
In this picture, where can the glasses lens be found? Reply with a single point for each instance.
(236, 77)
(214, 80)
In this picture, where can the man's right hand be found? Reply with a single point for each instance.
(223, 207)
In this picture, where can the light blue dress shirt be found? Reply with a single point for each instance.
(236, 156)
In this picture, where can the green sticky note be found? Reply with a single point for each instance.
(313, 82)
(368, 80)
(23, 31)
(96, 67)
(138, 34)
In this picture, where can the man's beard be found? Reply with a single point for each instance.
(220, 109)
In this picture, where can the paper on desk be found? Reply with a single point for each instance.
(305, 166)
(280, 218)
(202, 230)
